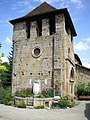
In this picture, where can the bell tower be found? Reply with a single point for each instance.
(43, 50)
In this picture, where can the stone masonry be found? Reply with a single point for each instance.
(46, 59)
(82, 75)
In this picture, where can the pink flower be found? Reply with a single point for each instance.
(26, 87)
(23, 87)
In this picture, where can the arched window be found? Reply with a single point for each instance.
(72, 74)
(68, 51)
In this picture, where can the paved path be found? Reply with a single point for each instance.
(79, 112)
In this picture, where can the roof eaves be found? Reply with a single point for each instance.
(70, 22)
(78, 59)
(64, 10)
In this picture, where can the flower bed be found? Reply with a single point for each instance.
(46, 93)
(24, 91)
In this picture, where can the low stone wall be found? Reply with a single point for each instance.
(26, 100)
(46, 102)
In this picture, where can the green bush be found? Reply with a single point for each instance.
(83, 90)
(65, 102)
(2, 94)
(75, 90)
(8, 98)
(21, 104)
(39, 107)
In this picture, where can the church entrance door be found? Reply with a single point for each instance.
(36, 87)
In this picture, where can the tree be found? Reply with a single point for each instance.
(6, 71)
(11, 59)
(2, 67)
(9, 67)
(5, 79)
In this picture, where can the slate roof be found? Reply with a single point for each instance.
(46, 10)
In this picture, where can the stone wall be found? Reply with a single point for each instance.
(69, 64)
(82, 74)
(34, 102)
(26, 66)
(55, 60)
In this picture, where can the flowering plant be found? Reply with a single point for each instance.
(47, 93)
(24, 91)
(24, 87)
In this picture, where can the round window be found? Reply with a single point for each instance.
(36, 52)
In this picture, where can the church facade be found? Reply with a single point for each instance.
(43, 51)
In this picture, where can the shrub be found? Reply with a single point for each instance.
(83, 90)
(21, 104)
(8, 98)
(47, 93)
(65, 102)
(75, 90)
(2, 90)
(39, 107)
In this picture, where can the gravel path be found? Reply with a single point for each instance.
(79, 112)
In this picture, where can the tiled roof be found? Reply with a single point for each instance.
(43, 8)
(77, 58)
(46, 10)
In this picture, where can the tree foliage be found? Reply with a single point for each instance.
(5, 79)
(2, 67)
(6, 71)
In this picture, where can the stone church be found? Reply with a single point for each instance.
(43, 51)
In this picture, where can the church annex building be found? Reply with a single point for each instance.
(44, 53)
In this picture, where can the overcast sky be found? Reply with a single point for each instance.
(79, 12)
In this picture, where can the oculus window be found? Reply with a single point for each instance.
(36, 52)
